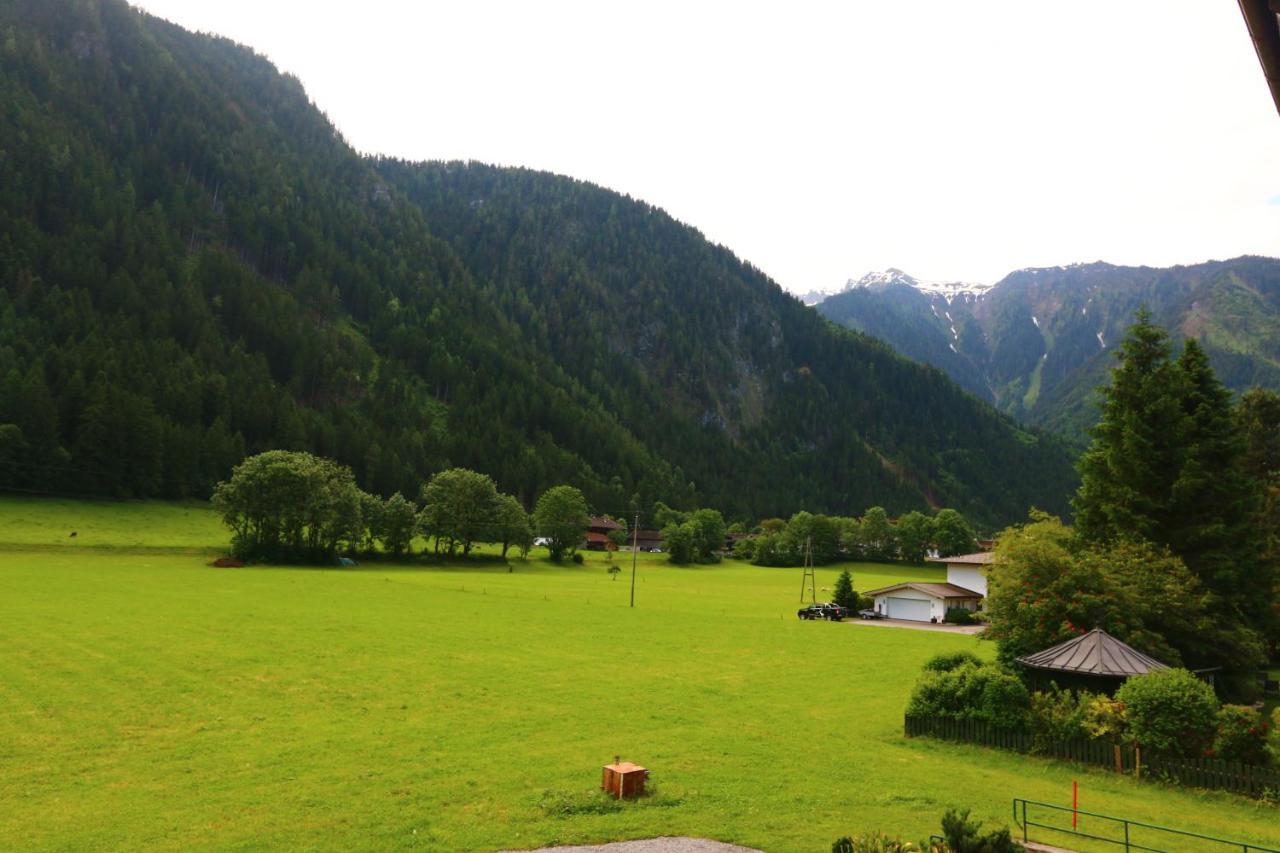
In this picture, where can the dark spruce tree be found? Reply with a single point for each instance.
(1127, 474)
(1259, 416)
(1214, 502)
(1166, 466)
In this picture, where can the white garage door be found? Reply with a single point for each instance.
(909, 608)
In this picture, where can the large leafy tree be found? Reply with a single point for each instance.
(697, 539)
(513, 525)
(286, 505)
(708, 532)
(819, 532)
(876, 535)
(460, 507)
(679, 542)
(915, 533)
(561, 517)
(1046, 587)
(953, 534)
(1038, 594)
(397, 524)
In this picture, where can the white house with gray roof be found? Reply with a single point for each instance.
(917, 601)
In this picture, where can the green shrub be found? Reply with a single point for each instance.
(947, 661)
(1273, 742)
(959, 616)
(1005, 702)
(1106, 718)
(962, 835)
(1058, 715)
(1170, 711)
(577, 558)
(985, 693)
(1242, 735)
(873, 842)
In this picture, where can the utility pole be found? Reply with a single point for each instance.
(635, 541)
(808, 571)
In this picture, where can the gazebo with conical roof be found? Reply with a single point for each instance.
(1095, 661)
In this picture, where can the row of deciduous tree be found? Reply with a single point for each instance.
(288, 505)
(696, 536)
(872, 537)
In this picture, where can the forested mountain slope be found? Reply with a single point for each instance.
(194, 265)
(668, 328)
(1040, 341)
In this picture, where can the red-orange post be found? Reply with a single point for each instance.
(1075, 801)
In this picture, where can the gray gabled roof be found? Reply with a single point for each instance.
(1094, 653)
(937, 590)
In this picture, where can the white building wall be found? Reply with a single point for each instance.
(937, 607)
(969, 577)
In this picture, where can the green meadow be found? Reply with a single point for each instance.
(148, 700)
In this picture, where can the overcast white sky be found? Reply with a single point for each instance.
(822, 140)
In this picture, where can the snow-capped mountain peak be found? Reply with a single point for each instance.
(890, 276)
(946, 289)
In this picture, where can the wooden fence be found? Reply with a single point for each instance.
(1248, 779)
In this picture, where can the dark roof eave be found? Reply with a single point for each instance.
(1264, 30)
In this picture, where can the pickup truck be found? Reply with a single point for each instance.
(832, 612)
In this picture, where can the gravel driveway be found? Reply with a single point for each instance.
(651, 845)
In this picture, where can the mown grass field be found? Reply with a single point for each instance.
(150, 701)
(46, 522)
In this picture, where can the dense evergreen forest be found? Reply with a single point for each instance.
(195, 266)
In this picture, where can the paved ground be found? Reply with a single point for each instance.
(653, 845)
(918, 626)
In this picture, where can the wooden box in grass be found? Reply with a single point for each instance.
(624, 779)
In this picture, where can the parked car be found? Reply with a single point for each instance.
(870, 614)
(831, 612)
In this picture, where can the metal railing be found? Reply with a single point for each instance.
(1128, 837)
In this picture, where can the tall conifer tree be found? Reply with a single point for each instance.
(1211, 521)
(1127, 474)
(1167, 466)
